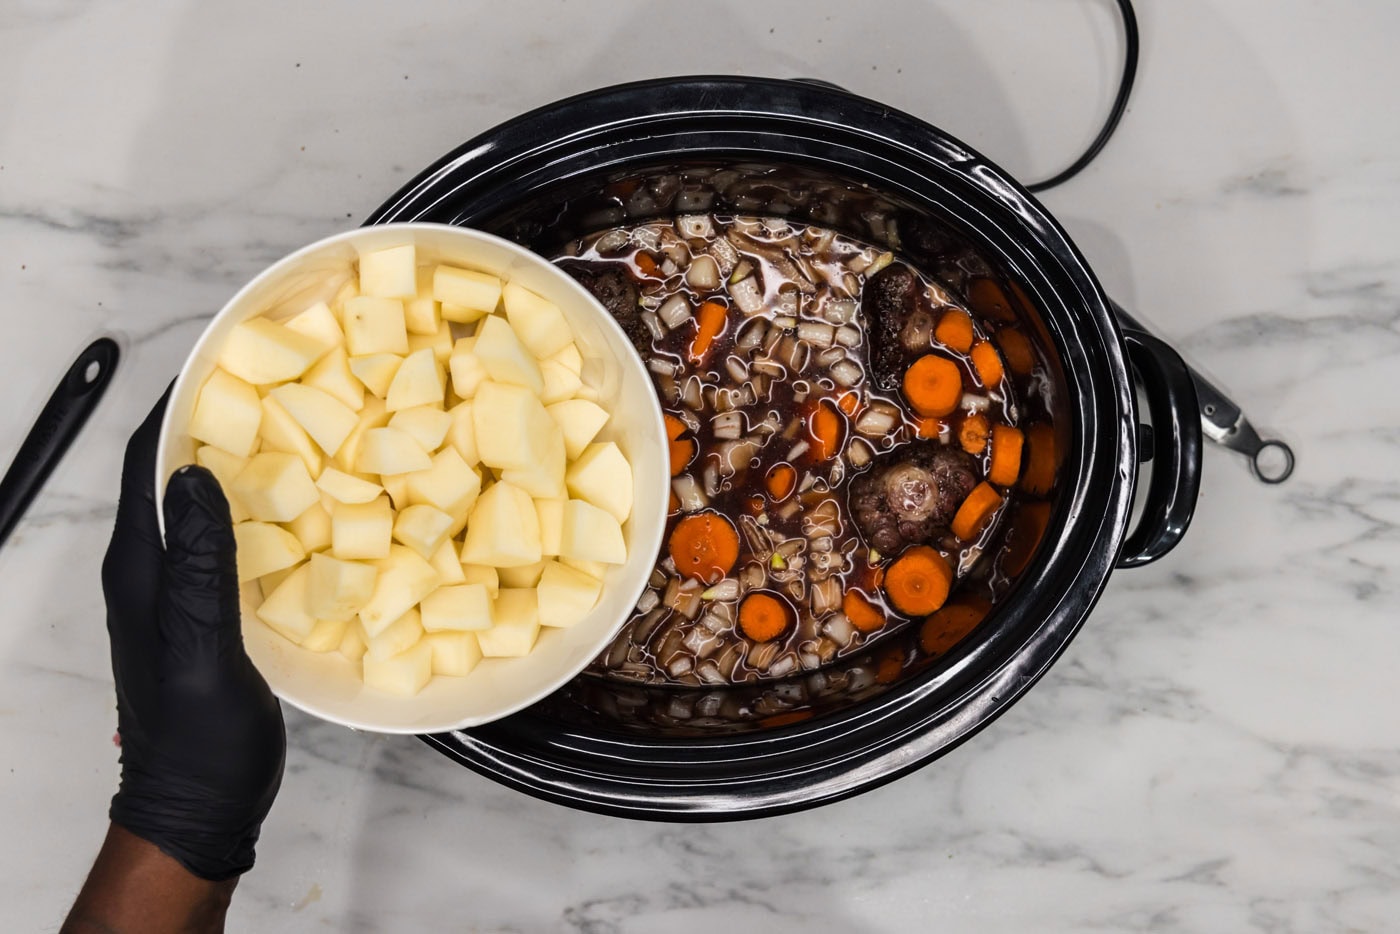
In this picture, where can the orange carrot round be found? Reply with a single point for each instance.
(704, 546)
(989, 301)
(929, 428)
(987, 362)
(933, 385)
(1006, 455)
(681, 450)
(710, 319)
(974, 512)
(646, 264)
(1041, 460)
(918, 582)
(849, 403)
(947, 627)
(863, 614)
(954, 330)
(674, 426)
(673, 505)
(828, 431)
(764, 616)
(1017, 350)
(972, 435)
(889, 666)
(781, 480)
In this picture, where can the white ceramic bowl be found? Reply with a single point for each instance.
(327, 685)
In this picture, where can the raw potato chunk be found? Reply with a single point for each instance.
(422, 528)
(602, 476)
(505, 358)
(569, 358)
(503, 529)
(224, 466)
(327, 635)
(419, 381)
(376, 371)
(371, 416)
(461, 433)
(517, 625)
(404, 579)
(275, 487)
(394, 638)
(454, 653)
(525, 576)
(317, 322)
(591, 534)
(280, 432)
(560, 382)
(427, 424)
(352, 644)
(466, 367)
(465, 293)
(447, 564)
(285, 608)
(440, 343)
(396, 485)
(544, 479)
(312, 528)
(328, 421)
(332, 375)
(362, 530)
(566, 595)
(449, 484)
(390, 451)
(405, 674)
(261, 351)
(345, 488)
(460, 607)
(551, 515)
(227, 414)
(375, 325)
(595, 569)
(580, 421)
(270, 582)
(263, 548)
(538, 322)
(338, 589)
(348, 290)
(389, 273)
(421, 311)
(484, 575)
(512, 429)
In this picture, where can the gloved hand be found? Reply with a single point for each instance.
(202, 739)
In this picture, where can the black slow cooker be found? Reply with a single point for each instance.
(807, 151)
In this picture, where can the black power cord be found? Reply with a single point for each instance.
(1120, 103)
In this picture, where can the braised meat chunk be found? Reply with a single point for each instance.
(614, 289)
(898, 323)
(910, 495)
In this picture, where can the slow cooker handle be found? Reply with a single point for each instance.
(1176, 461)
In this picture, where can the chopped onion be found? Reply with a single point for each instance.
(725, 255)
(674, 311)
(783, 666)
(680, 666)
(839, 629)
(788, 304)
(695, 225)
(826, 596)
(876, 421)
(846, 372)
(847, 336)
(711, 480)
(728, 426)
(789, 509)
(830, 355)
(798, 450)
(727, 589)
(741, 270)
(612, 241)
(750, 334)
(881, 261)
(974, 402)
(709, 672)
(738, 370)
(841, 311)
(818, 333)
(653, 325)
(859, 453)
(703, 273)
(688, 493)
(800, 390)
(700, 641)
(784, 321)
(769, 368)
(746, 295)
(669, 268)
(663, 365)
(690, 393)
(648, 238)
(648, 601)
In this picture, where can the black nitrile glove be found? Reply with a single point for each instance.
(202, 738)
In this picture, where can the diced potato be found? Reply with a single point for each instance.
(461, 606)
(348, 290)
(440, 344)
(595, 569)
(544, 479)
(427, 424)
(447, 564)
(569, 358)
(419, 381)
(536, 320)
(261, 351)
(374, 326)
(275, 487)
(270, 582)
(338, 589)
(332, 375)
(285, 608)
(405, 674)
(505, 358)
(602, 476)
(396, 485)
(396, 637)
(525, 576)
(376, 371)
(224, 466)
(551, 515)
(327, 635)
(503, 529)
(352, 645)
(566, 595)
(422, 528)
(454, 653)
(466, 367)
(372, 415)
(317, 322)
(482, 574)
(263, 548)
(345, 488)
(580, 421)
(465, 293)
(512, 429)
(591, 533)
(281, 432)
(517, 625)
(227, 414)
(362, 530)
(328, 421)
(560, 382)
(389, 273)
(404, 579)
(313, 527)
(449, 484)
(461, 433)
(389, 451)
(421, 311)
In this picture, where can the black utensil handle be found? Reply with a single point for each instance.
(1176, 460)
(58, 424)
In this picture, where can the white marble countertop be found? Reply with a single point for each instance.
(1219, 749)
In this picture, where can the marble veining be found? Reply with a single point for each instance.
(1218, 750)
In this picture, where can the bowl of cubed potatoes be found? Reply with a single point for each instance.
(446, 467)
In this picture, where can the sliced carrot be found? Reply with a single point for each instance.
(947, 627)
(763, 616)
(954, 330)
(929, 427)
(988, 364)
(682, 450)
(755, 504)
(1041, 460)
(674, 426)
(973, 433)
(646, 264)
(974, 512)
(918, 582)
(849, 403)
(933, 385)
(989, 301)
(781, 480)
(1027, 529)
(890, 666)
(710, 319)
(704, 546)
(1006, 455)
(1017, 350)
(863, 614)
(828, 431)
(673, 505)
